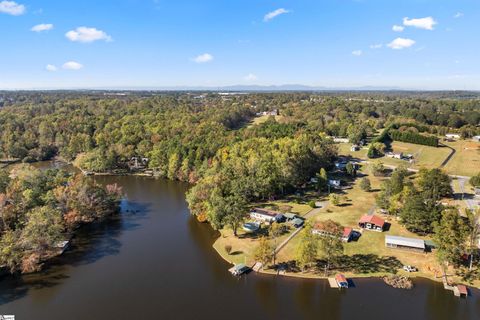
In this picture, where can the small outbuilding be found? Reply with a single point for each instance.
(341, 280)
(460, 291)
(371, 222)
(405, 243)
(454, 136)
(347, 234)
(334, 183)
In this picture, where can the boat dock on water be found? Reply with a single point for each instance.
(239, 269)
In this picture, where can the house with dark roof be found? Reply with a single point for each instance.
(371, 222)
(266, 215)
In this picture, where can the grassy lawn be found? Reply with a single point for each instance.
(368, 256)
(243, 246)
(425, 156)
(298, 208)
(262, 119)
(466, 161)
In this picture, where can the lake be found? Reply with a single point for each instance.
(155, 261)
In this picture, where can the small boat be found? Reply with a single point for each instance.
(239, 269)
(62, 246)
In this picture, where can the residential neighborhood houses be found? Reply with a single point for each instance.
(264, 215)
(372, 222)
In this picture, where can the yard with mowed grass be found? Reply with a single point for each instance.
(424, 156)
(262, 119)
(368, 255)
(243, 246)
(466, 160)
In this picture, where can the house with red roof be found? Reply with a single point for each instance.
(330, 229)
(372, 222)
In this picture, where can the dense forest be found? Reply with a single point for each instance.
(40, 209)
(208, 138)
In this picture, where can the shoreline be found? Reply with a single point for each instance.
(302, 275)
(311, 276)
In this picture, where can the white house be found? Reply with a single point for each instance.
(334, 183)
(454, 136)
(394, 155)
(265, 215)
(340, 140)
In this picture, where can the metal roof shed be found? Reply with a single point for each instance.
(406, 243)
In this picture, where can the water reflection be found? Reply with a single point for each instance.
(156, 261)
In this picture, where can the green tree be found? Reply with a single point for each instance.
(365, 184)
(4, 180)
(263, 252)
(434, 184)
(10, 251)
(350, 168)
(43, 229)
(334, 199)
(173, 165)
(450, 237)
(307, 248)
(475, 180)
(417, 216)
(331, 245)
(322, 179)
(473, 233)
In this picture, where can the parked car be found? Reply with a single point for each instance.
(410, 269)
(297, 222)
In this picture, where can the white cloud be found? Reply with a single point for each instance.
(72, 65)
(357, 52)
(12, 8)
(401, 43)
(376, 46)
(42, 27)
(398, 28)
(85, 34)
(269, 16)
(51, 67)
(250, 77)
(203, 58)
(458, 15)
(426, 23)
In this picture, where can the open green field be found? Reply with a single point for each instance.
(424, 156)
(369, 252)
(466, 161)
(262, 119)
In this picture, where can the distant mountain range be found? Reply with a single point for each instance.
(243, 88)
(261, 88)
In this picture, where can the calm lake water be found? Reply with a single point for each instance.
(155, 261)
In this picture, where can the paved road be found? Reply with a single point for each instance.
(309, 214)
(452, 153)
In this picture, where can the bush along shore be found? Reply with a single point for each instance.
(399, 282)
(42, 209)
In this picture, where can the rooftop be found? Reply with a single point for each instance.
(376, 220)
(405, 242)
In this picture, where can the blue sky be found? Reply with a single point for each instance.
(163, 43)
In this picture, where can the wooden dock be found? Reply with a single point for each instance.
(333, 283)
